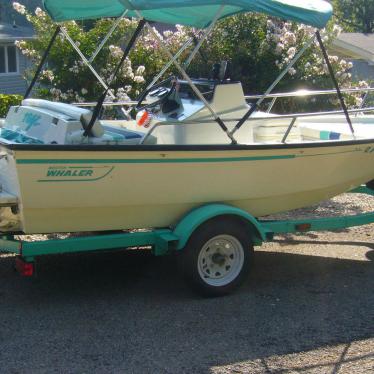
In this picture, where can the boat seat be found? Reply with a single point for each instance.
(273, 130)
(73, 112)
(113, 135)
(327, 131)
(71, 122)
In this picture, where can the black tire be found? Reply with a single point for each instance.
(370, 185)
(221, 230)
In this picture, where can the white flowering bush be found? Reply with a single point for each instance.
(19, 8)
(258, 48)
(66, 78)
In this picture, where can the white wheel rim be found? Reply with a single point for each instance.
(220, 260)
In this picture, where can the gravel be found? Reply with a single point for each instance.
(308, 307)
(345, 204)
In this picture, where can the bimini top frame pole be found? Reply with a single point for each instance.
(42, 62)
(183, 72)
(185, 46)
(336, 84)
(195, 89)
(86, 61)
(126, 52)
(107, 36)
(285, 71)
(271, 88)
(204, 37)
(171, 62)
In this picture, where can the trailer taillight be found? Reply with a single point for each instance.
(26, 269)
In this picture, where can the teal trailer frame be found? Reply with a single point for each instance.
(161, 241)
(169, 240)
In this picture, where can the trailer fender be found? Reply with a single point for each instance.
(190, 222)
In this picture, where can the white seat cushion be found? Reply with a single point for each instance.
(74, 112)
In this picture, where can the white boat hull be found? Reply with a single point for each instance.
(112, 190)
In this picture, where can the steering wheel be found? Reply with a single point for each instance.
(157, 94)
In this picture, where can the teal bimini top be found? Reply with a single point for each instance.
(196, 13)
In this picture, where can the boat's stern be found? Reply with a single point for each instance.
(10, 218)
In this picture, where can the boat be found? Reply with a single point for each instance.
(194, 142)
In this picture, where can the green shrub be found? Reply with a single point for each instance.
(7, 101)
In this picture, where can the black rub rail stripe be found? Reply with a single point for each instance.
(160, 148)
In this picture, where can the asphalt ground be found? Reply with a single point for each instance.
(307, 307)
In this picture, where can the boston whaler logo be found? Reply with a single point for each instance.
(76, 173)
(31, 120)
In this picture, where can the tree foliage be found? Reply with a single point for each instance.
(258, 48)
(355, 16)
(6, 101)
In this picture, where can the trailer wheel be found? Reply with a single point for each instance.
(217, 257)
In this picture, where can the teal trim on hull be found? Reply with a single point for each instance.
(174, 160)
(152, 161)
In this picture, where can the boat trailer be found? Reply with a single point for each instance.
(173, 240)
